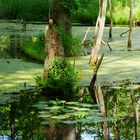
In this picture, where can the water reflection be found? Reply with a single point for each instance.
(19, 119)
(27, 115)
(10, 46)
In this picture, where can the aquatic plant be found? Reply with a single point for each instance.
(61, 81)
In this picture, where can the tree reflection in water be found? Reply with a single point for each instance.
(19, 118)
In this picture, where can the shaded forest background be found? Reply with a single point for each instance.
(84, 11)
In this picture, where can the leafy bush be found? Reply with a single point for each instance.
(24, 9)
(61, 81)
(83, 11)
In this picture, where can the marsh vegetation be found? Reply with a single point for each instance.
(48, 90)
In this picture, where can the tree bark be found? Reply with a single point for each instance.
(53, 46)
(98, 39)
(93, 80)
(97, 21)
(62, 19)
(129, 43)
(62, 14)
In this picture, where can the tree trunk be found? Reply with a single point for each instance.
(53, 46)
(98, 39)
(62, 14)
(129, 43)
(111, 22)
(62, 19)
(97, 21)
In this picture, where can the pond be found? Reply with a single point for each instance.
(111, 111)
(28, 115)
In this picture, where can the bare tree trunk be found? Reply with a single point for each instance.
(111, 22)
(98, 39)
(97, 21)
(129, 43)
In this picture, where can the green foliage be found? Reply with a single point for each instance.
(121, 16)
(119, 105)
(72, 46)
(26, 9)
(85, 11)
(17, 113)
(137, 13)
(34, 47)
(61, 81)
(4, 41)
(82, 11)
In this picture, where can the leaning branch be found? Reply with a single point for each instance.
(107, 44)
(124, 33)
(83, 41)
(85, 36)
(96, 70)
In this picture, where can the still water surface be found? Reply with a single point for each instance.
(27, 115)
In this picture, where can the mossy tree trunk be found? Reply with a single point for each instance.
(129, 43)
(62, 19)
(62, 14)
(98, 38)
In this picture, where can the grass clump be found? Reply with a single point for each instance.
(34, 47)
(61, 81)
(72, 46)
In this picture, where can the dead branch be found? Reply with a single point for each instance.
(107, 44)
(124, 33)
(96, 70)
(85, 36)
